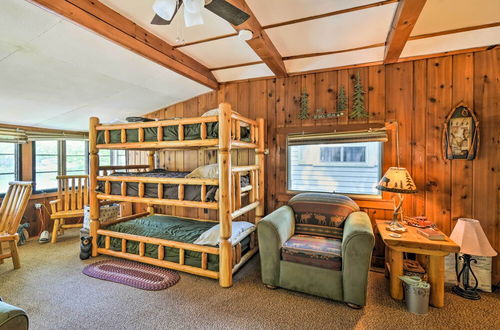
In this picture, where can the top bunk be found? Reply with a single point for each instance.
(220, 128)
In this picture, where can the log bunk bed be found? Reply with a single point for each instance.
(222, 132)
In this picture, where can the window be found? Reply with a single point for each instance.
(8, 165)
(46, 164)
(53, 158)
(76, 158)
(335, 163)
(112, 157)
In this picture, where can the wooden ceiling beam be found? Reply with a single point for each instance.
(404, 20)
(260, 43)
(101, 19)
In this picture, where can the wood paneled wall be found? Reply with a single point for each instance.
(418, 95)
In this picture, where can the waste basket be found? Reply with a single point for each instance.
(416, 294)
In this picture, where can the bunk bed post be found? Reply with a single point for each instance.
(151, 160)
(259, 160)
(225, 219)
(94, 172)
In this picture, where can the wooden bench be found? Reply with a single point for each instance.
(72, 196)
(11, 212)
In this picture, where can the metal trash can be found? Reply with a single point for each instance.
(416, 294)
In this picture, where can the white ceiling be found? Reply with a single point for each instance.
(55, 74)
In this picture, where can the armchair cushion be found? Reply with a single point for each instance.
(321, 214)
(314, 251)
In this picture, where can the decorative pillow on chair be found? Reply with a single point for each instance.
(321, 214)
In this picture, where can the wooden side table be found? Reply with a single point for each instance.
(413, 242)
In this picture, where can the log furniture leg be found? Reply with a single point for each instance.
(436, 279)
(387, 260)
(15, 254)
(1, 252)
(55, 231)
(396, 265)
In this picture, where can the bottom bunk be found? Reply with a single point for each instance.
(184, 244)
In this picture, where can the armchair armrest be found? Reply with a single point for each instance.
(273, 230)
(53, 205)
(357, 245)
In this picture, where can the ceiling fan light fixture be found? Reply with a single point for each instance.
(165, 8)
(194, 6)
(245, 35)
(191, 19)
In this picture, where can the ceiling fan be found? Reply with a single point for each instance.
(165, 11)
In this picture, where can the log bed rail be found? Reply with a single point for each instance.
(230, 204)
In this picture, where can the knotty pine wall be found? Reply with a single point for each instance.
(417, 94)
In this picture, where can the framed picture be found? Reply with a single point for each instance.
(460, 134)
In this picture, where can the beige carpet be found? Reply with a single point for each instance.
(56, 295)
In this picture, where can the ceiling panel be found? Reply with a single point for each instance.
(62, 74)
(442, 15)
(345, 31)
(335, 60)
(222, 52)
(450, 42)
(243, 72)
(141, 13)
(277, 11)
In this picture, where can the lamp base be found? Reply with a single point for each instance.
(467, 294)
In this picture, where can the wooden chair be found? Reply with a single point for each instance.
(72, 196)
(11, 212)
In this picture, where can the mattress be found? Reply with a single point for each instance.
(170, 133)
(170, 228)
(170, 191)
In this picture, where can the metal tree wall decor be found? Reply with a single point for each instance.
(304, 106)
(358, 102)
(460, 134)
(341, 100)
(322, 114)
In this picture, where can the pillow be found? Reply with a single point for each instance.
(205, 172)
(215, 112)
(211, 236)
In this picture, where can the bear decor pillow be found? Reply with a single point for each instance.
(205, 172)
(215, 112)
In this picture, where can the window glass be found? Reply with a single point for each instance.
(76, 158)
(7, 165)
(46, 164)
(112, 157)
(349, 168)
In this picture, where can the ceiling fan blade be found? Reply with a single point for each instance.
(157, 20)
(227, 11)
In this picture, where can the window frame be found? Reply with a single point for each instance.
(351, 195)
(17, 164)
(61, 163)
(113, 156)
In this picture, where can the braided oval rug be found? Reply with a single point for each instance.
(134, 274)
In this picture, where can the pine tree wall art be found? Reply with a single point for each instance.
(304, 106)
(358, 101)
(341, 100)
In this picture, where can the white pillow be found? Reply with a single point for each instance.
(205, 172)
(211, 236)
(215, 112)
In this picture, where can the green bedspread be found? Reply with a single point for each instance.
(170, 133)
(169, 228)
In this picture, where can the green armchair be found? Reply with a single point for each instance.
(320, 244)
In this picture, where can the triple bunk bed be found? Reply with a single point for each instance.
(165, 240)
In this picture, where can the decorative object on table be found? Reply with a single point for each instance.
(85, 247)
(460, 134)
(469, 235)
(419, 222)
(417, 293)
(358, 101)
(413, 268)
(304, 106)
(341, 100)
(322, 114)
(432, 234)
(397, 180)
(134, 274)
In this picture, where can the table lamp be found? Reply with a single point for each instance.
(397, 180)
(473, 242)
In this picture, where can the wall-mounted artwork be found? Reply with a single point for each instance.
(461, 134)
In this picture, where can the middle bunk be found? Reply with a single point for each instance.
(231, 190)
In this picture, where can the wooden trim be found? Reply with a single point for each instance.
(104, 21)
(404, 20)
(448, 53)
(40, 129)
(459, 30)
(294, 57)
(186, 44)
(260, 43)
(159, 201)
(330, 128)
(236, 65)
(333, 13)
(364, 203)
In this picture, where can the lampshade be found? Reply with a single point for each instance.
(165, 8)
(471, 238)
(398, 180)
